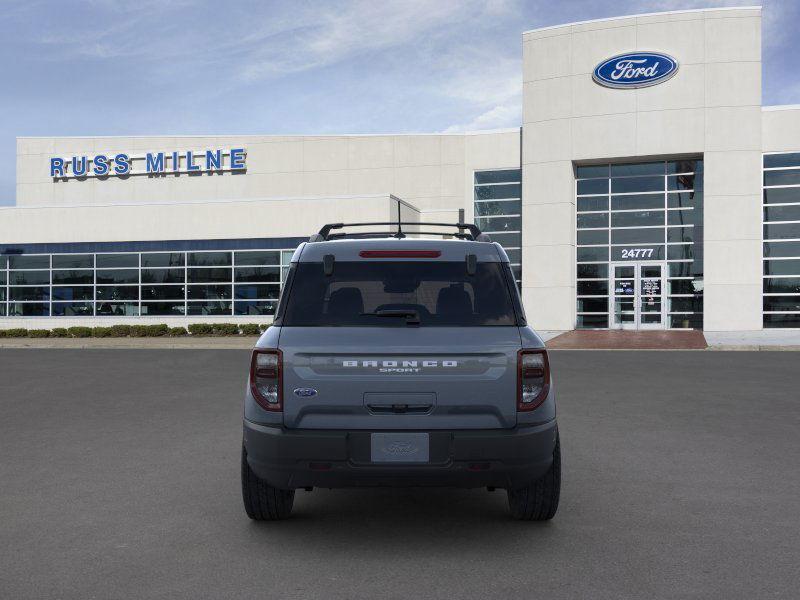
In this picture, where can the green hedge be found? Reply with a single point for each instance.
(198, 329)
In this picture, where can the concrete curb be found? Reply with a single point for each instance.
(167, 343)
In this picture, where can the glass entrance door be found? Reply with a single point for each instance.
(637, 295)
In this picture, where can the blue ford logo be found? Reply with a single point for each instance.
(305, 392)
(635, 70)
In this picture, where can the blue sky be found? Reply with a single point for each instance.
(151, 67)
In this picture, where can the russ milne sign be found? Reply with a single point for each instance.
(635, 70)
(151, 163)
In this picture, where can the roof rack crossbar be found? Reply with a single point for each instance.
(465, 230)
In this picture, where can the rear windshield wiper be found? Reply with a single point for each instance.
(412, 316)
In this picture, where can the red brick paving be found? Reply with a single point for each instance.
(629, 340)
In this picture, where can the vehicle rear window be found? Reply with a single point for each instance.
(438, 293)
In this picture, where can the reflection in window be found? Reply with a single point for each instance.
(498, 206)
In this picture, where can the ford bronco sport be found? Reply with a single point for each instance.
(400, 361)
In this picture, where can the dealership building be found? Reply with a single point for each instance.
(646, 188)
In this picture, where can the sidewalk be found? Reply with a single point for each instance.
(187, 343)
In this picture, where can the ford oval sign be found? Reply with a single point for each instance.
(635, 70)
(305, 392)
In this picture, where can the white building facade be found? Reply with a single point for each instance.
(647, 188)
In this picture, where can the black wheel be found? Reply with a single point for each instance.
(262, 502)
(539, 500)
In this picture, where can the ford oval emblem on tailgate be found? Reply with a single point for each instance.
(305, 392)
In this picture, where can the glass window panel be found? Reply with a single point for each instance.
(782, 213)
(258, 257)
(117, 292)
(679, 252)
(73, 309)
(638, 218)
(248, 292)
(592, 236)
(684, 182)
(685, 200)
(2, 294)
(29, 293)
(511, 240)
(286, 256)
(683, 217)
(502, 224)
(637, 202)
(637, 236)
(782, 303)
(694, 304)
(592, 322)
(593, 186)
(782, 195)
(694, 321)
(29, 277)
(777, 249)
(84, 292)
(782, 267)
(73, 277)
(516, 271)
(163, 276)
(220, 307)
(648, 168)
(257, 274)
(496, 192)
(498, 176)
(29, 261)
(209, 275)
(3, 308)
(782, 231)
(782, 285)
(789, 159)
(113, 261)
(162, 309)
(73, 261)
(592, 203)
(255, 307)
(209, 259)
(28, 309)
(681, 269)
(162, 292)
(684, 166)
(209, 292)
(680, 234)
(685, 286)
(497, 207)
(514, 256)
(787, 320)
(589, 254)
(788, 177)
(636, 184)
(592, 220)
(592, 271)
(591, 171)
(117, 309)
(118, 276)
(592, 288)
(638, 252)
(593, 305)
(2, 277)
(163, 259)
(3, 262)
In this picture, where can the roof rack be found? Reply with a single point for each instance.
(464, 231)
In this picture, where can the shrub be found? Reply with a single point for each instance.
(250, 329)
(263, 327)
(201, 329)
(17, 332)
(225, 329)
(38, 333)
(120, 330)
(59, 332)
(177, 331)
(138, 330)
(101, 332)
(80, 332)
(2, 333)
(157, 330)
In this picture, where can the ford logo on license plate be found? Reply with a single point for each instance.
(305, 392)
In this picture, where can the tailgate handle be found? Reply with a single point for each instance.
(399, 409)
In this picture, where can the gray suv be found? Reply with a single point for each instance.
(400, 361)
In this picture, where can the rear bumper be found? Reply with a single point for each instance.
(297, 458)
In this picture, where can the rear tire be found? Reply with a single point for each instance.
(539, 500)
(262, 502)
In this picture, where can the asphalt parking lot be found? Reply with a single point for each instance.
(119, 479)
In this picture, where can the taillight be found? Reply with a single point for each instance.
(266, 378)
(533, 382)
